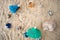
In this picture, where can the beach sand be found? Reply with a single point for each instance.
(29, 15)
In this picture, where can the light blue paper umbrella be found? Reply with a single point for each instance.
(13, 8)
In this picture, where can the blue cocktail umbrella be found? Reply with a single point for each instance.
(8, 25)
(13, 8)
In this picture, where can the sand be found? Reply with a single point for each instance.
(27, 16)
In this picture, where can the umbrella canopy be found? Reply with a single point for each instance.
(13, 8)
(8, 25)
(34, 33)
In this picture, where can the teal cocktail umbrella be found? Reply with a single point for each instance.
(34, 33)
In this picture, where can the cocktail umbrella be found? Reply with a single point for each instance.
(34, 33)
(8, 25)
(13, 8)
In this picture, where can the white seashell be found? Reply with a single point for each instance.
(50, 12)
(49, 25)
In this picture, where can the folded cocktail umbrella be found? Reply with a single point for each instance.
(34, 33)
(13, 8)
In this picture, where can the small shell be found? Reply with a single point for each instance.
(50, 13)
(49, 25)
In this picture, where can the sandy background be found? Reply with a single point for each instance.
(28, 17)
